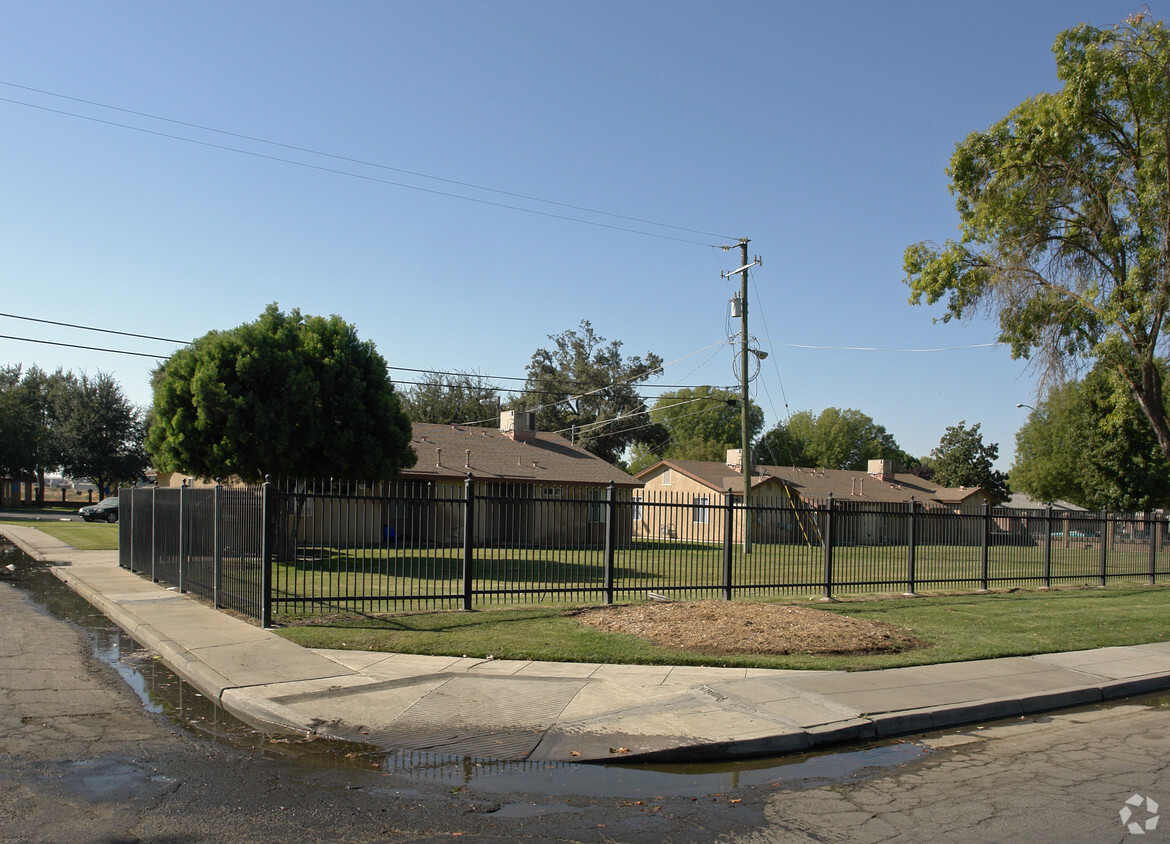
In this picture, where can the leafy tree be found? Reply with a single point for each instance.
(963, 459)
(1064, 209)
(584, 388)
(701, 423)
(1090, 444)
(27, 448)
(97, 433)
(1049, 448)
(445, 399)
(836, 439)
(287, 395)
(19, 425)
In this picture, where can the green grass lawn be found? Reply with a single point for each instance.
(954, 628)
(85, 536)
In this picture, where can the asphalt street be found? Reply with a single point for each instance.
(81, 760)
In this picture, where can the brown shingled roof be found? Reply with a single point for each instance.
(453, 451)
(817, 484)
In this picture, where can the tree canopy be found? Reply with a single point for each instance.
(961, 458)
(445, 399)
(834, 439)
(700, 423)
(289, 395)
(97, 433)
(584, 388)
(1089, 443)
(84, 426)
(1064, 210)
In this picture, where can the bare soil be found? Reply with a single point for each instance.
(745, 627)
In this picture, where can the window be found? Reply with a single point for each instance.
(699, 509)
(597, 505)
(551, 491)
(666, 477)
(637, 507)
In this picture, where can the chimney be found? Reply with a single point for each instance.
(438, 457)
(883, 470)
(735, 459)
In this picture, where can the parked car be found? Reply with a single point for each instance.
(105, 510)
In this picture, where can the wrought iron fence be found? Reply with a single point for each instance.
(310, 548)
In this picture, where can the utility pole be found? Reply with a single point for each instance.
(745, 463)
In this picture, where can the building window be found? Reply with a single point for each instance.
(551, 491)
(666, 477)
(597, 505)
(637, 507)
(699, 509)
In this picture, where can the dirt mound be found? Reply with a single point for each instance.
(744, 627)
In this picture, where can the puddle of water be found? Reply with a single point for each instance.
(162, 691)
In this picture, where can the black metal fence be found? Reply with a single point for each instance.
(303, 548)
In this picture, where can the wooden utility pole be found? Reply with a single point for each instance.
(745, 460)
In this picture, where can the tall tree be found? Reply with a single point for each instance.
(287, 395)
(97, 431)
(584, 388)
(834, 439)
(1049, 448)
(1089, 443)
(1064, 208)
(27, 445)
(444, 398)
(698, 423)
(963, 459)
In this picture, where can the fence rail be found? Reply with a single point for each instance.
(300, 548)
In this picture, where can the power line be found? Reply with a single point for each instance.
(349, 160)
(404, 185)
(86, 348)
(91, 328)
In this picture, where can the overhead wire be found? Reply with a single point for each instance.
(350, 160)
(376, 179)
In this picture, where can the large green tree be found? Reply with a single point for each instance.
(445, 398)
(584, 388)
(289, 395)
(833, 439)
(96, 431)
(28, 446)
(1064, 209)
(961, 458)
(1089, 443)
(700, 423)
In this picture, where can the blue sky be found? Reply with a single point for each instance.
(411, 143)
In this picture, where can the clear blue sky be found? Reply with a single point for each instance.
(819, 131)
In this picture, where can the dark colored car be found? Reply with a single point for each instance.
(105, 510)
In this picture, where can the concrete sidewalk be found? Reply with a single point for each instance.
(573, 712)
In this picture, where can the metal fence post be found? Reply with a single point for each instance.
(728, 540)
(912, 547)
(1152, 529)
(267, 540)
(983, 553)
(1048, 548)
(827, 545)
(216, 549)
(610, 536)
(1104, 534)
(468, 538)
(184, 537)
(153, 533)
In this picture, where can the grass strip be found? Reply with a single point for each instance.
(955, 627)
(84, 536)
